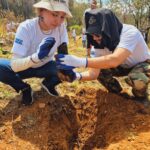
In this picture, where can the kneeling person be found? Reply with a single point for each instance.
(122, 52)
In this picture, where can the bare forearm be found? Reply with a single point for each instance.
(109, 61)
(102, 62)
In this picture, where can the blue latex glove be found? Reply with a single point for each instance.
(45, 47)
(69, 62)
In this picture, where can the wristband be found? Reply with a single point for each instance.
(34, 58)
(78, 76)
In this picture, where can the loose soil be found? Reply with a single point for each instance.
(83, 118)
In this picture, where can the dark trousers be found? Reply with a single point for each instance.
(15, 80)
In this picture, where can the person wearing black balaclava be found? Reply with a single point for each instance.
(122, 52)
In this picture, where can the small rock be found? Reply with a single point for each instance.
(133, 126)
(132, 138)
(41, 105)
(105, 112)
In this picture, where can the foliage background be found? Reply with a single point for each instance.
(134, 12)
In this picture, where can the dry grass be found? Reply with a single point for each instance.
(2, 29)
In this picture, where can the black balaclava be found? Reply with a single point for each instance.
(104, 22)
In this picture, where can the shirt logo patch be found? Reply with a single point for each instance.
(92, 20)
(19, 41)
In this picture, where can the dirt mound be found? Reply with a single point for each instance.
(90, 119)
(117, 120)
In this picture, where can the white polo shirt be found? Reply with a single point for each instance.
(29, 36)
(132, 40)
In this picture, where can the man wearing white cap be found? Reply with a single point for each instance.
(34, 46)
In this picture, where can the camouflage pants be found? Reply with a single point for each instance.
(137, 77)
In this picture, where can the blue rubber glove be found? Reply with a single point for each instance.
(45, 47)
(69, 62)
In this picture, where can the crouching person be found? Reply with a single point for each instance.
(34, 47)
(122, 52)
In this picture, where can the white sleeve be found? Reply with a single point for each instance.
(21, 43)
(129, 40)
(21, 64)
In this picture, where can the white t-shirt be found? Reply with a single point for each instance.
(132, 40)
(29, 36)
(83, 37)
(73, 33)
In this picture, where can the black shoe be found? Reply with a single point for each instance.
(27, 96)
(50, 89)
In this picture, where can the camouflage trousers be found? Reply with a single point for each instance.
(137, 77)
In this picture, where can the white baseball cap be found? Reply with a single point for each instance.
(54, 5)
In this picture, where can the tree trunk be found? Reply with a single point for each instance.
(101, 4)
(4, 4)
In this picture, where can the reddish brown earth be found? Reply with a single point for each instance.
(87, 119)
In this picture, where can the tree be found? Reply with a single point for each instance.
(4, 4)
(100, 2)
(133, 10)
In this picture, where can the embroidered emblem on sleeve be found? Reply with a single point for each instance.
(19, 41)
